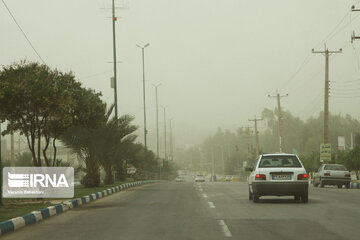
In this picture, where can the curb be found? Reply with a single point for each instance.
(36, 216)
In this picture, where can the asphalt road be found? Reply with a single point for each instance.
(187, 210)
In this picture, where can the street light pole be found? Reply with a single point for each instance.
(143, 68)
(171, 140)
(165, 131)
(157, 119)
(114, 53)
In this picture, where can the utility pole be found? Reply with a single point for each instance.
(255, 120)
(278, 96)
(114, 18)
(165, 132)
(212, 164)
(353, 37)
(157, 119)
(326, 53)
(144, 102)
(249, 145)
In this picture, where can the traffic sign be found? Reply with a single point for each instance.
(325, 152)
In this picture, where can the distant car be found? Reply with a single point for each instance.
(199, 178)
(332, 174)
(228, 178)
(179, 179)
(278, 175)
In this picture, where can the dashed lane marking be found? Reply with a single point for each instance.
(211, 205)
(204, 195)
(225, 228)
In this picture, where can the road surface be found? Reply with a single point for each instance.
(188, 210)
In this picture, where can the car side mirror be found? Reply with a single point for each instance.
(249, 169)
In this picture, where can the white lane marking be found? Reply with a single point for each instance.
(225, 228)
(211, 205)
(204, 195)
(200, 189)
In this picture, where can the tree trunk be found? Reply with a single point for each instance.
(92, 177)
(31, 147)
(55, 150)
(39, 146)
(109, 179)
(47, 139)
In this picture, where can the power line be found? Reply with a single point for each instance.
(27, 39)
(346, 82)
(331, 35)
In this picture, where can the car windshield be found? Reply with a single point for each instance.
(279, 161)
(335, 167)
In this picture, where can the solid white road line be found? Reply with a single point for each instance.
(211, 205)
(204, 195)
(225, 228)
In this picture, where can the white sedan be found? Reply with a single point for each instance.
(199, 178)
(332, 174)
(278, 175)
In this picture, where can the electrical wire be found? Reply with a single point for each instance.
(346, 82)
(332, 32)
(22, 31)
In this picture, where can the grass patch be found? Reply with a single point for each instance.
(15, 207)
(80, 190)
(11, 210)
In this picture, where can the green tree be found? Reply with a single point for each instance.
(42, 103)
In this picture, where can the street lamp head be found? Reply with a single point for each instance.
(146, 45)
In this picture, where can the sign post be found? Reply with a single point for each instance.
(325, 152)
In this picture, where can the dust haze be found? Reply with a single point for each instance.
(217, 60)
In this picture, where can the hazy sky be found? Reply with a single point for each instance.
(217, 60)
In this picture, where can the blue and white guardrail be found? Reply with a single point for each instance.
(36, 216)
(354, 185)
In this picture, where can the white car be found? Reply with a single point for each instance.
(278, 175)
(199, 178)
(228, 178)
(332, 174)
(179, 179)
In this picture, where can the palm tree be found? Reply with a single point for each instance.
(104, 146)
